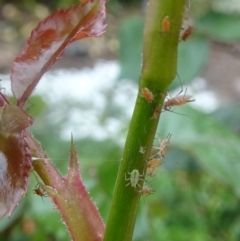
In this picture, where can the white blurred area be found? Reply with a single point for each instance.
(90, 85)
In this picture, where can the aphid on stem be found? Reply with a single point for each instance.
(162, 148)
(146, 191)
(152, 165)
(156, 112)
(187, 33)
(134, 178)
(178, 100)
(166, 24)
(38, 190)
(147, 95)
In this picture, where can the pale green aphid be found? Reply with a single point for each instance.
(134, 178)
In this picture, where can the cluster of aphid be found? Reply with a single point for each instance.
(180, 99)
(152, 164)
(170, 102)
(166, 24)
(156, 160)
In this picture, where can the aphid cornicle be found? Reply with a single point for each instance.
(177, 101)
(134, 178)
(166, 24)
(147, 95)
(187, 33)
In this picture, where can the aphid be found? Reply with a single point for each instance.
(146, 191)
(134, 178)
(156, 112)
(154, 163)
(142, 150)
(163, 146)
(39, 191)
(166, 24)
(177, 101)
(147, 94)
(187, 33)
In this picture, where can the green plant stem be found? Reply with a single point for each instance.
(40, 166)
(158, 71)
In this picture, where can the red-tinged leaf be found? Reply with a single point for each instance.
(3, 100)
(14, 119)
(71, 198)
(49, 39)
(15, 158)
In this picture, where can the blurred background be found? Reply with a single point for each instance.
(91, 91)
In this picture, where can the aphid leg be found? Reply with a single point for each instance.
(127, 179)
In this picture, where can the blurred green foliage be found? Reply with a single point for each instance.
(193, 54)
(196, 188)
(219, 26)
(131, 34)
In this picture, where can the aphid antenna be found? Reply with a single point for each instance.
(168, 92)
(33, 171)
(154, 155)
(169, 110)
(168, 137)
(185, 92)
(188, 5)
(180, 83)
